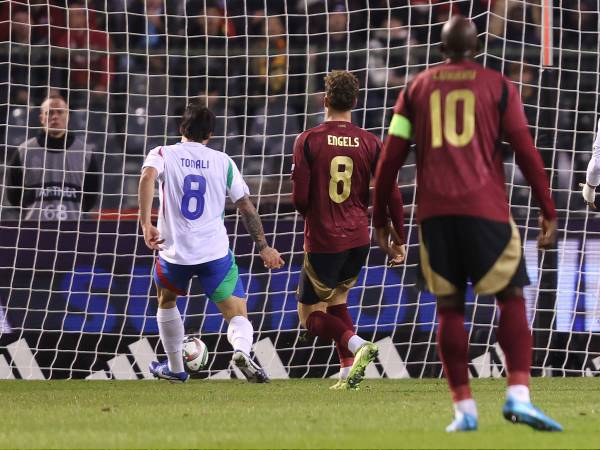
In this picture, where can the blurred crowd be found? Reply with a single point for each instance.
(128, 67)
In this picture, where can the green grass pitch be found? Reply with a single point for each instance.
(283, 414)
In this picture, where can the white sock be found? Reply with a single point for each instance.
(355, 343)
(519, 392)
(240, 334)
(170, 329)
(467, 406)
(344, 371)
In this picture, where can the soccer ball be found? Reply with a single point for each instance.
(195, 353)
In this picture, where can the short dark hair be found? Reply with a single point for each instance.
(341, 88)
(54, 97)
(198, 122)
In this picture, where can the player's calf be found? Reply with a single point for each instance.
(240, 335)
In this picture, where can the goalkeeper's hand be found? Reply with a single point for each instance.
(152, 237)
(589, 194)
(394, 248)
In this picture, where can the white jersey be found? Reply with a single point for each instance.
(194, 181)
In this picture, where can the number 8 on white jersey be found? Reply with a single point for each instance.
(194, 181)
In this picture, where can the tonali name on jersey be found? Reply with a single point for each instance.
(194, 183)
(197, 164)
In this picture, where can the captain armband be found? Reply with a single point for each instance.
(400, 127)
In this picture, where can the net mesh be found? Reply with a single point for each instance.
(76, 294)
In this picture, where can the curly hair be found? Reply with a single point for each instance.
(341, 88)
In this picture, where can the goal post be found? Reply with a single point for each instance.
(76, 296)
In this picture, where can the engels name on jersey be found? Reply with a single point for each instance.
(343, 141)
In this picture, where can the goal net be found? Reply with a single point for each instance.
(76, 293)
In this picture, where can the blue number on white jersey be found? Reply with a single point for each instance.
(194, 188)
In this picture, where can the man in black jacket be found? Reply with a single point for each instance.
(53, 176)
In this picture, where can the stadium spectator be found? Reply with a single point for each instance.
(46, 17)
(336, 42)
(23, 70)
(154, 24)
(208, 30)
(270, 131)
(22, 77)
(147, 26)
(389, 70)
(28, 61)
(333, 50)
(227, 135)
(512, 23)
(387, 67)
(269, 67)
(53, 176)
(86, 63)
(524, 75)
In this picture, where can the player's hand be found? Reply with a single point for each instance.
(271, 258)
(152, 237)
(547, 237)
(395, 249)
(589, 194)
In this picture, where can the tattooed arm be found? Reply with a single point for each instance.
(253, 225)
(252, 222)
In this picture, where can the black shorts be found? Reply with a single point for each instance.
(325, 274)
(455, 249)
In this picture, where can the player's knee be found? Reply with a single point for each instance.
(231, 307)
(166, 299)
(302, 320)
(167, 304)
(303, 314)
(304, 311)
(509, 292)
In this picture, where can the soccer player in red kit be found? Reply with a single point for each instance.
(457, 113)
(333, 165)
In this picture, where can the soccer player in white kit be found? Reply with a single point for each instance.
(191, 239)
(592, 176)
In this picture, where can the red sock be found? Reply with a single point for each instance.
(341, 312)
(453, 349)
(328, 327)
(514, 338)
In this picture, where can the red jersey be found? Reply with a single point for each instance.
(457, 113)
(333, 164)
